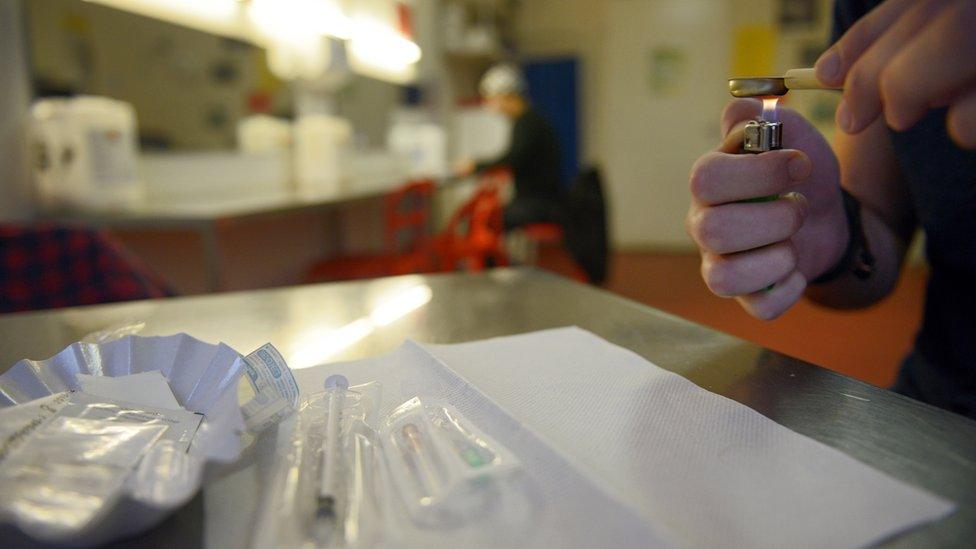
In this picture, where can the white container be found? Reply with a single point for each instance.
(321, 143)
(260, 134)
(85, 153)
(423, 145)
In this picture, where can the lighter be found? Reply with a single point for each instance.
(761, 136)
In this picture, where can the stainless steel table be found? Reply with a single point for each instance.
(922, 445)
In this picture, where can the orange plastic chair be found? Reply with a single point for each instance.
(474, 236)
(407, 245)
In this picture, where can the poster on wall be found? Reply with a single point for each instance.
(666, 69)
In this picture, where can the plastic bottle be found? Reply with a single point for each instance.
(321, 142)
(85, 153)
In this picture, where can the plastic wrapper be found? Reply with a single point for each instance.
(204, 425)
(63, 476)
(428, 469)
(291, 512)
(440, 464)
(68, 458)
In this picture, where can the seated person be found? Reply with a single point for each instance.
(533, 152)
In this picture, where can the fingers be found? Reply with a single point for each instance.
(932, 68)
(769, 305)
(862, 102)
(834, 64)
(748, 272)
(961, 121)
(718, 178)
(737, 227)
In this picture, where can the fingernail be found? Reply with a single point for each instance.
(798, 167)
(828, 66)
(844, 119)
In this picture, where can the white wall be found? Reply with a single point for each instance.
(14, 100)
(551, 28)
(650, 141)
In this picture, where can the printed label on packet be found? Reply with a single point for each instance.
(271, 392)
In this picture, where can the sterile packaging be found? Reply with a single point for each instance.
(65, 461)
(440, 464)
(294, 511)
(183, 389)
(428, 469)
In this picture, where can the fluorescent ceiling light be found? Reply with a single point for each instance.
(287, 18)
(378, 49)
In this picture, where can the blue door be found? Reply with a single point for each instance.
(554, 93)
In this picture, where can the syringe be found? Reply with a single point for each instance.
(335, 388)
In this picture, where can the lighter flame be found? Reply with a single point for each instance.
(769, 113)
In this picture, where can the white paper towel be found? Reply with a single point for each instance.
(705, 470)
(618, 452)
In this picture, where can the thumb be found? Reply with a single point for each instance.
(738, 111)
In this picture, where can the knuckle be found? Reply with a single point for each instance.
(792, 257)
(783, 259)
(890, 84)
(717, 277)
(709, 230)
(689, 222)
(698, 181)
(787, 219)
(766, 311)
(772, 168)
(857, 78)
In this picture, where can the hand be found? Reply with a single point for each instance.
(746, 247)
(464, 167)
(904, 58)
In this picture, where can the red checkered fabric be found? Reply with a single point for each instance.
(46, 266)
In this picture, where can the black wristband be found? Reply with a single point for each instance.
(857, 257)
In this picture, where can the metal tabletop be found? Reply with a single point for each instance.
(917, 443)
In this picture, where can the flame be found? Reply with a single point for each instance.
(769, 113)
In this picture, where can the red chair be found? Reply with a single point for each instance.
(407, 245)
(474, 236)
